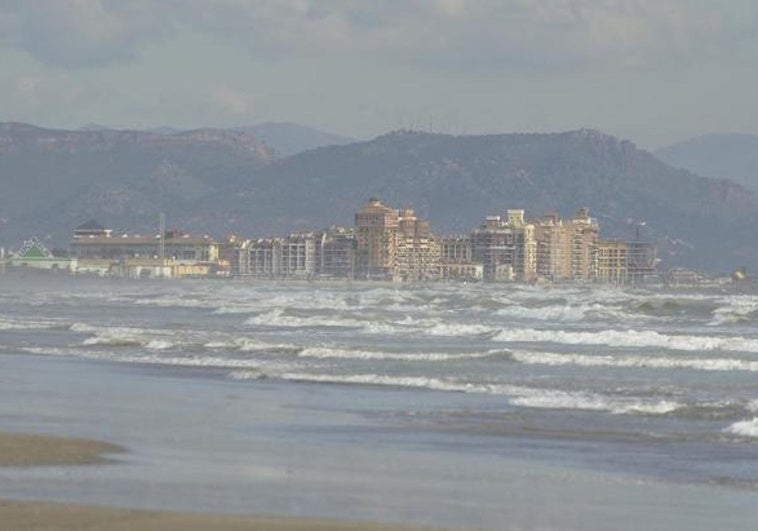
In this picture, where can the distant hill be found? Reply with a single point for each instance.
(219, 181)
(289, 138)
(457, 180)
(53, 180)
(727, 156)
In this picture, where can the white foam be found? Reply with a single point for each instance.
(339, 353)
(518, 395)
(458, 329)
(31, 324)
(247, 344)
(123, 336)
(277, 318)
(745, 428)
(713, 364)
(736, 309)
(629, 338)
(546, 313)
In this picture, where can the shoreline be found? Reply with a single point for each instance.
(30, 451)
(16, 515)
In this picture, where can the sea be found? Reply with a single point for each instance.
(461, 406)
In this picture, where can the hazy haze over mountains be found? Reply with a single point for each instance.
(222, 181)
(283, 137)
(728, 156)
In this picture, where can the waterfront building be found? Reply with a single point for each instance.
(418, 251)
(567, 250)
(554, 246)
(507, 248)
(376, 227)
(394, 245)
(612, 261)
(642, 262)
(584, 237)
(293, 256)
(102, 243)
(456, 260)
(336, 253)
(34, 254)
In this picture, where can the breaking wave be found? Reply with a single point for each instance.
(622, 361)
(518, 396)
(339, 353)
(629, 338)
(744, 428)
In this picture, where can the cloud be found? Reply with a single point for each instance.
(230, 101)
(447, 34)
(81, 33)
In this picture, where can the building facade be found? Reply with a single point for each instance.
(507, 248)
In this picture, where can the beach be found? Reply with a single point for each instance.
(445, 407)
(38, 516)
(24, 450)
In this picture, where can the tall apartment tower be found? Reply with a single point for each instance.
(376, 234)
(567, 250)
(584, 238)
(418, 252)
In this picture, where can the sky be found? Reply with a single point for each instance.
(651, 71)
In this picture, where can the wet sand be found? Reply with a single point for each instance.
(39, 450)
(26, 450)
(36, 516)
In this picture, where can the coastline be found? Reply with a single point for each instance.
(16, 515)
(27, 451)
(24, 450)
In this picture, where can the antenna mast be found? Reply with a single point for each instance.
(162, 236)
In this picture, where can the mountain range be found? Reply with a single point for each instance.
(732, 156)
(285, 138)
(222, 181)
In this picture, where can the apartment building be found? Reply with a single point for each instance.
(376, 228)
(507, 248)
(612, 261)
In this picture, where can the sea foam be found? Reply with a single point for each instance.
(629, 338)
(712, 364)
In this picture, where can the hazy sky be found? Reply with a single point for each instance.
(652, 71)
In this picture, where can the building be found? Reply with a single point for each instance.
(584, 237)
(642, 262)
(93, 241)
(567, 250)
(612, 261)
(336, 253)
(456, 260)
(418, 252)
(394, 245)
(376, 228)
(34, 255)
(507, 248)
(554, 245)
(294, 256)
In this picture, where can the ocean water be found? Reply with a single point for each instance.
(481, 406)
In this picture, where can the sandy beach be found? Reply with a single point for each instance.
(38, 516)
(36, 450)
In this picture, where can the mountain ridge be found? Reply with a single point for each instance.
(218, 182)
(718, 155)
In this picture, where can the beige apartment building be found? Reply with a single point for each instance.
(376, 227)
(394, 244)
(567, 249)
